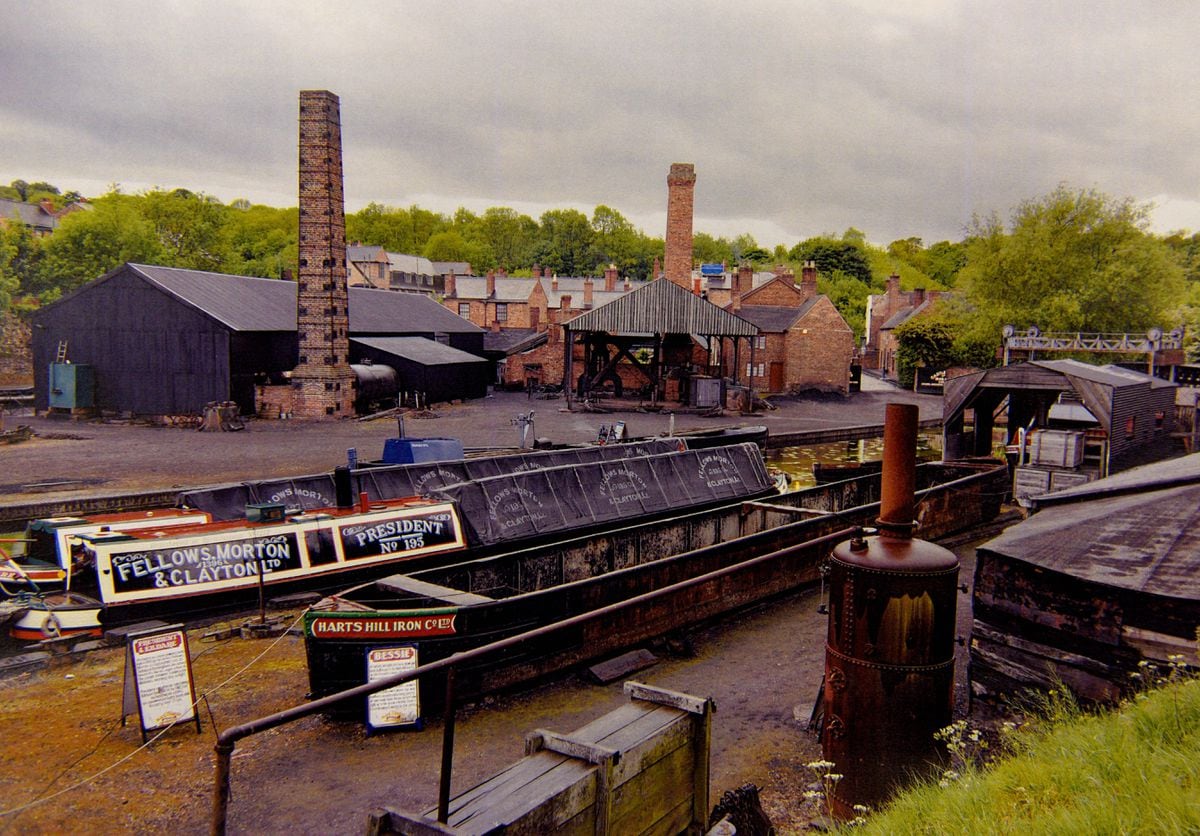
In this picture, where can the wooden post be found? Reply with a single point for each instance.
(568, 364)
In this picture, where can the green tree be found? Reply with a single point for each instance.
(260, 240)
(23, 259)
(830, 254)
(565, 243)
(1071, 261)
(189, 227)
(507, 236)
(709, 250)
(87, 245)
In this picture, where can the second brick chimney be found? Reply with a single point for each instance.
(808, 280)
(491, 283)
(681, 187)
(610, 278)
(588, 288)
(450, 287)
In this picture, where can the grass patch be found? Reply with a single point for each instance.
(1132, 770)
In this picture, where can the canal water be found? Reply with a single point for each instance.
(797, 462)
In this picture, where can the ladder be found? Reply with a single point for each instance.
(61, 356)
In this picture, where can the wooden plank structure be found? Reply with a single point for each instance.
(642, 768)
(663, 315)
(1103, 576)
(1128, 409)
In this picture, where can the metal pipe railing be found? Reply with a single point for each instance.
(227, 740)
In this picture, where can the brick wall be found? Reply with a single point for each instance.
(273, 401)
(775, 292)
(323, 381)
(819, 349)
(681, 187)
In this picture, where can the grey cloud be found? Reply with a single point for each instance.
(812, 116)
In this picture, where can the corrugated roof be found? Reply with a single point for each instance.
(245, 303)
(365, 252)
(1147, 539)
(421, 350)
(662, 307)
(404, 263)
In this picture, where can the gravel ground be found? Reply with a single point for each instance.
(71, 459)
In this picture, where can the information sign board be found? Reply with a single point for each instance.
(158, 679)
(399, 705)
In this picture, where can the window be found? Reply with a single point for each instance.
(501, 312)
(464, 310)
(760, 341)
(756, 371)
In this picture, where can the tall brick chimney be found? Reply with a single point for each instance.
(808, 280)
(322, 381)
(681, 187)
(743, 283)
(893, 288)
(610, 278)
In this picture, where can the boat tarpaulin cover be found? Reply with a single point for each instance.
(228, 502)
(516, 506)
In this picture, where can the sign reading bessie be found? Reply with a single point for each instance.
(399, 705)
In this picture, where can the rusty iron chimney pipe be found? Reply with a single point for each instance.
(897, 500)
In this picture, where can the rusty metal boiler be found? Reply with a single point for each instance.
(889, 658)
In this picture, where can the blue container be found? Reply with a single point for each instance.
(421, 450)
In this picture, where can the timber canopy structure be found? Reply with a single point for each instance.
(668, 320)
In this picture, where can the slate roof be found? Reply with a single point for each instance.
(403, 263)
(365, 252)
(421, 350)
(458, 268)
(507, 290)
(512, 340)
(776, 319)
(662, 307)
(30, 214)
(904, 315)
(246, 303)
(1145, 537)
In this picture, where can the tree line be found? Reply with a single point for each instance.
(1071, 260)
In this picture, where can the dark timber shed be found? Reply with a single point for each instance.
(1100, 578)
(167, 341)
(667, 317)
(1130, 408)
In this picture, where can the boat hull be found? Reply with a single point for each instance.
(57, 614)
(447, 610)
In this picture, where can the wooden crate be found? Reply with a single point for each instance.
(1062, 479)
(642, 768)
(1030, 481)
(1056, 448)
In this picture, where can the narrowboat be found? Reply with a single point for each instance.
(42, 558)
(188, 569)
(183, 569)
(770, 546)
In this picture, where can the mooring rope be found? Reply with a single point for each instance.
(14, 811)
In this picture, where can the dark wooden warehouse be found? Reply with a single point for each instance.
(167, 341)
(439, 372)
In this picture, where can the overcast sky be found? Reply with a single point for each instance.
(901, 118)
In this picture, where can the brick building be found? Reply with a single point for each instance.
(886, 311)
(803, 342)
